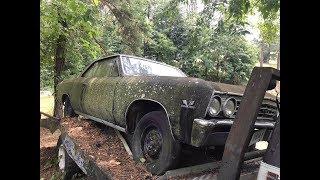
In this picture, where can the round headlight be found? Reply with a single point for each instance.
(215, 106)
(229, 107)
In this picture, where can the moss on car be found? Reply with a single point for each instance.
(107, 93)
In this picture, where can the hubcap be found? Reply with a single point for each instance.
(152, 144)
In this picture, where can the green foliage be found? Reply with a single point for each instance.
(269, 31)
(240, 8)
(192, 41)
(216, 53)
(269, 27)
(130, 17)
(222, 53)
(167, 34)
(81, 28)
(269, 9)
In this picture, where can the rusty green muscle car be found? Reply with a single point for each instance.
(159, 107)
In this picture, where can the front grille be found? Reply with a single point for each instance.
(268, 110)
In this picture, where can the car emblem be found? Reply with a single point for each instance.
(187, 104)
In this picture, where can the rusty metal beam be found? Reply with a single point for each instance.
(242, 128)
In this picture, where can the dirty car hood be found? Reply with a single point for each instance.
(221, 87)
(235, 89)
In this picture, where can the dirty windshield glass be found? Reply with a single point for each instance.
(137, 67)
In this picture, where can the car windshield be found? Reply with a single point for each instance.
(138, 67)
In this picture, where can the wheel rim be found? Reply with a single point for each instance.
(62, 158)
(152, 144)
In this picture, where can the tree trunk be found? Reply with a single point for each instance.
(217, 69)
(261, 56)
(266, 54)
(101, 46)
(144, 40)
(59, 61)
(206, 72)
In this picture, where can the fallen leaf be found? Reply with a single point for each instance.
(114, 162)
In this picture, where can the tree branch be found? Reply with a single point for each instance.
(100, 45)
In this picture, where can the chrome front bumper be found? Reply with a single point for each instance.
(203, 131)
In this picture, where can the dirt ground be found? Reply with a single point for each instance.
(105, 148)
(48, 155)
(101, 145)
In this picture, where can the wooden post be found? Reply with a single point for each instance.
(242, 128)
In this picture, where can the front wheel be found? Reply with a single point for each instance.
(154, 144)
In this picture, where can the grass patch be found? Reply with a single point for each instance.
(47, 104)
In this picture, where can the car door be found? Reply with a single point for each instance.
(98, 97)
(79, 87)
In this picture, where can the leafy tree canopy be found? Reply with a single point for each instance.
(208, 43)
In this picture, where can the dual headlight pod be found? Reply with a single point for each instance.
(228, 106)
(214, 106)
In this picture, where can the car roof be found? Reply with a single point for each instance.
(118, 55)
(145, 59)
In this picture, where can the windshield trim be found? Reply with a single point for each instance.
(149, 60)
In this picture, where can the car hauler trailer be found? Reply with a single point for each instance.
(237, 162)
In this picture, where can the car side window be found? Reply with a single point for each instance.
(91, 71)
(103, 68)
(113, 68)
(107, 68)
